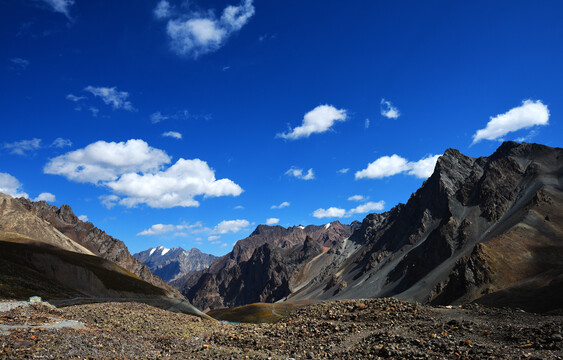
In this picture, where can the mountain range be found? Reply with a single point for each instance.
(170, 264)
(486, 229)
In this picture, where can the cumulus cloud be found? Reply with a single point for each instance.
(162, 10)
(196, 34)
(61, 6)
(530, 113)
(230, 226)
(424, 167)
(357, 198)
(9, 185)
(83, 218)
(172, 134)
(387, 166)
(61, 143)
(316, 121)
(48, 197)
(272, 221)
(388, 110)
(330, 212)
(106, 161)
(176, 186)
(367, 207)
(280, 206)
(298, 173)
(334, 212)
(23, 146)
(111, 96)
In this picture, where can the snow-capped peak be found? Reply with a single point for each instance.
(327, 225)
(159, 248)
(152, 251)
(301, 227)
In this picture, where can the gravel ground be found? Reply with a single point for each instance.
(359, 329)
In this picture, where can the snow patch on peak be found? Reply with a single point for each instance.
(327, 225)
(152, 251)
(165, 250)
(301, 227)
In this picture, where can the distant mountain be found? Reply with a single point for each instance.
(171, 264)
(262, 266)
(488, 229)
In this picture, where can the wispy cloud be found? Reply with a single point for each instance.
(23, 147)
(298, 173)
(158, 117)
(280, 206)
(317, 121)
(357, 198)
(20, 63)
(111, 96)
(75, 98)
(388, 110)
(530, 113)
(366, 124)
(343, 171)
(61, 143)
(387, 166)
(159, 229)
(83, 218)
(196, 34)
(172, 134)
(61, 6)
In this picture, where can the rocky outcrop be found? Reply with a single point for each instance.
(95, 240)
(171, 264)
(476, 226)
(266, 266)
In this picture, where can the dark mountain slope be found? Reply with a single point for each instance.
(476, 226)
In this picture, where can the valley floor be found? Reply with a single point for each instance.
(354, 329)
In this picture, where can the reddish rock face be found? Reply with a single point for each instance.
(93, 239)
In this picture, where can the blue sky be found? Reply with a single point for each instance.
(188, 123)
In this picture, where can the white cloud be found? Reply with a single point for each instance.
(61, 143)
(48, 197)
(23, 146)
(227, 226)
(224, 245)
(103, 161)
(366, 124)
(75, 98)
(383, 167)
(280, 206)
(111, 96)
(9, 185)
(357, 198)
(388, 110)
(272, 221)
(61, 6)
(424, 167)
(214, 238)
(159, 229)
(316, 121)
(344, 170)
(298, 173)
(158, 117)
(529, 114)
(162, 9)
(239, 207)
(83, 218)
(387, 166)
(21, 63)
(367, 207)
(109, 201)
(197, 34)
(172, 134)
(330, 212)
(176, 186)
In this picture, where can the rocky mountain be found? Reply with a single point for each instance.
(37, 258)
(262, 266)
(93, 239)
(487, 229)
(170, 264)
